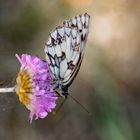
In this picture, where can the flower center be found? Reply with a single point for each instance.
(24, 88)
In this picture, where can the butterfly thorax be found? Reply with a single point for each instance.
(60, 89)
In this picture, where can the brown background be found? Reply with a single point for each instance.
(108, 83)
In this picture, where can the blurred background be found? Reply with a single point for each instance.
(108, 83)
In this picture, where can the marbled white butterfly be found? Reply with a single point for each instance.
(65, 50)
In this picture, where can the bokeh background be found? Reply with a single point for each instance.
(108, 83)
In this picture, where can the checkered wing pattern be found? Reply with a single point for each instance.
(65, 49)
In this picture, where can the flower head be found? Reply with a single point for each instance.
(34, 86)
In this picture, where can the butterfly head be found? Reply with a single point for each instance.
(65, 91)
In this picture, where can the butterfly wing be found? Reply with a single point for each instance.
(81, 24)
(65, 49)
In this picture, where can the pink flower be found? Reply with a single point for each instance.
(34, 86)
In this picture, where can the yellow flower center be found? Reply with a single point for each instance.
(23, 89)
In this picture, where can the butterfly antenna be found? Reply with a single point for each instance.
(61, 105)
(59, 108)
(79, 104)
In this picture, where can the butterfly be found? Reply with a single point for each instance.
(64, 51)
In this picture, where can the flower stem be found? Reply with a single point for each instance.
(6, 90)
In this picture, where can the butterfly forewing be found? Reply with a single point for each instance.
(65, 49)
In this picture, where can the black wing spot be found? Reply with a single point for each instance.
(51, 57)
(63, 56)
(80, 30)
(57, 64)
(54, 42)
(59, 39)
(62, 39)
(70, 65)
(83, 37)
(73, 25)
(85, 25)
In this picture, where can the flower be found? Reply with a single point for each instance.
(34, 86)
